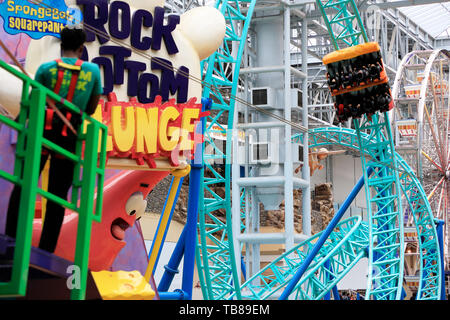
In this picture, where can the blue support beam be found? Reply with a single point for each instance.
(334, 290)
(168, 223)
(440, 233)
(188, 239)
(336, 295)
(176, 295)
(326, 233)
(171, 269)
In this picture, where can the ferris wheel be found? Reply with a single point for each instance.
(422, 125)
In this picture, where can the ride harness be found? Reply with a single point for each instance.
(75, 71)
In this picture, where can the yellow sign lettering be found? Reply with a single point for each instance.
(146, 130)
(186, 127)
(168, 114)
(123, 137)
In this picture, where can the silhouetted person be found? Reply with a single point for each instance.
(76, 81)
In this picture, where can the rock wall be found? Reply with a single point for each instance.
(321, 205)
(322, 202)
(157, 198)
(322, 210)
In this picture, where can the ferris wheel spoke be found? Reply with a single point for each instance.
(441, 203)
(445, 115)
(431, 194)
(437, 145)
(447, 140)
(432, 161)
(445, 212)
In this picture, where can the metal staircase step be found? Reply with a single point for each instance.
(39, 259)
(46, 271)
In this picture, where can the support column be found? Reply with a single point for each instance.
(288, 167)
(306, 192)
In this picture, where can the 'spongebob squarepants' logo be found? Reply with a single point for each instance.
(38, 18)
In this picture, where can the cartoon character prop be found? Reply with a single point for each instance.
(124, 200)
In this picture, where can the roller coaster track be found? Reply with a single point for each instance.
(349, 241)
(342, 250)
(386, 252)
(412, 191)
(372, 138)
(215, 258)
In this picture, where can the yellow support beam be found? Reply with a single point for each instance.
(178, 174)
(44, 182)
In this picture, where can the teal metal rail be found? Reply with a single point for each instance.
(430, 282)
(343, 22)
(341, 251)
(372, 138)
(215, 254)
(386, 254)
(348, 244)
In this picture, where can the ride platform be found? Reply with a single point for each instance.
(47, 275)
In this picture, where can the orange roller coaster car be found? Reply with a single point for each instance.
(358, 81)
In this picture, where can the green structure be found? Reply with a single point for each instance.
(90, 166)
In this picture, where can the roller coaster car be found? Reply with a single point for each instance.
(365, 101)
(358, 81)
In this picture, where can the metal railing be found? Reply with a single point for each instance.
(89, 159)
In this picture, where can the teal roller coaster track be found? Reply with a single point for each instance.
(380, 239)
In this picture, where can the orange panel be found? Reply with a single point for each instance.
(351, 52)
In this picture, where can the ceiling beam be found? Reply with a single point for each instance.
(397, 4)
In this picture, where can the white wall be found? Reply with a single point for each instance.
(166, 253)
(149, 223)
(319, 176)
(346, 172)
(356, 278)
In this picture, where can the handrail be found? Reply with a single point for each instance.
(30, 126)
(40, 86)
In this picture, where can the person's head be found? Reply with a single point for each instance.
(72, 41)
(322, 154)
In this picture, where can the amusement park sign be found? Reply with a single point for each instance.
(147, 61)
(116, 60)
(37, 18)
(145, 132)
(150, 125)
